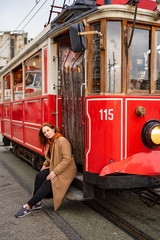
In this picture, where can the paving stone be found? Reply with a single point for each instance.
(37, 225)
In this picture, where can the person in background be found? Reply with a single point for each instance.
(57, 172)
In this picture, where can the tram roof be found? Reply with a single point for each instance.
(64, 20)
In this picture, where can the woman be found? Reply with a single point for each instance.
(57, 172)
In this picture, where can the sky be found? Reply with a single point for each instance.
(27, 15)
(14, 12)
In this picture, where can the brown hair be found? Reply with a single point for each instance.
(42, 139)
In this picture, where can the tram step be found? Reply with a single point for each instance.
(79, 176)
(75, 194)
(81, 191)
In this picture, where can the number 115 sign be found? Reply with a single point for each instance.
(105, 130)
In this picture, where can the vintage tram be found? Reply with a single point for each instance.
(94, 71)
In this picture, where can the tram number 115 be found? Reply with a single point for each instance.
(106, 114)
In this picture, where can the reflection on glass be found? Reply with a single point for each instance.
(33, 75)
(96, 59)
(33, 79)
(7, 87)
(113, 57)
(29, 79)
(18, 86)
(139, 61)
(72, 77)
(158, 62)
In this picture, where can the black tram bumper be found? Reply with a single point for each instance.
(122, 181)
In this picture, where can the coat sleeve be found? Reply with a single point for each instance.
(47, 161)
(65, 151)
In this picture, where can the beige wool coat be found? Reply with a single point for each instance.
(63, 164)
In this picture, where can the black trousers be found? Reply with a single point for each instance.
(42, 188)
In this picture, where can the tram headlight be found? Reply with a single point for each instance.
(155, 135)
(151, 134)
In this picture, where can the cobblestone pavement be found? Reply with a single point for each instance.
(36, 226)
(74, 220)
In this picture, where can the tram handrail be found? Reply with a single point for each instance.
(83, 84)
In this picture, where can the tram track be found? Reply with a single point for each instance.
(108, 214)
(124, 225)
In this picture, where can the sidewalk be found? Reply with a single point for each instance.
(36, 226)
(73, 221)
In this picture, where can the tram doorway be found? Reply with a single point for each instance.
(72, 70)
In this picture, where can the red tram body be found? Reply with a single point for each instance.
(21, 120)
(115, 130)
(105, 96)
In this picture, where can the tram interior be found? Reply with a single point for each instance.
(138, 65)
(32, 73)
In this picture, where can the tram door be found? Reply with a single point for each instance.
(72, 78)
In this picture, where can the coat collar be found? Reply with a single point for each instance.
(47, 148)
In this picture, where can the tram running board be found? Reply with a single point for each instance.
(79, 190)
(74, 194)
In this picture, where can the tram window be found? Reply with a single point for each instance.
(17, 83)
(33, 75)
(140, 60)
(7, 87)
(29, 79)
(113, 57)
(158, 62)
(96, 59)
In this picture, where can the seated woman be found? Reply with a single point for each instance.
(57, 172)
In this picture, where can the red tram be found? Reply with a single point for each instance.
(94, 71)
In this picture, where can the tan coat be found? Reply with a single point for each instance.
(62, 163)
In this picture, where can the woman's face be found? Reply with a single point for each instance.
(48, 132)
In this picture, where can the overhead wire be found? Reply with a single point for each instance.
(22, 22)
(27, 15)
(34, 14)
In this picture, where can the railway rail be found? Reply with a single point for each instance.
(110, 215)
(133, 231)
(88, 73)
(102, 95)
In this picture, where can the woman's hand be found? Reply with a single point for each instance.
(51, 176)
(43, 167)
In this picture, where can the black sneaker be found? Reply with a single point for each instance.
(36, 206)
(23, 212)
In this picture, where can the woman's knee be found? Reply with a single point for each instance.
(47, 184)
(41, 176)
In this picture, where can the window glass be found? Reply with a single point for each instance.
(113, 57)
(12, 47)
(17, 83)
(140, 60)
(96, 58)
(158, 62)
(7, 87)
(1, 89)
(33, 74)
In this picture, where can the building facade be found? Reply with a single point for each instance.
(10, 45)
